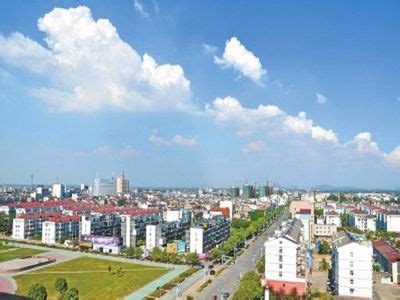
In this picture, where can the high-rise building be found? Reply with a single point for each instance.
(58, 190)
(234, 192)
(248, 191)
(103, 187)
(122, 184)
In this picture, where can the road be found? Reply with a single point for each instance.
(228, 281)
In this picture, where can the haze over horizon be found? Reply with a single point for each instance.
(201, 94)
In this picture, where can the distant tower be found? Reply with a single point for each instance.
(31, 181)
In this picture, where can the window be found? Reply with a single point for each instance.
(351, 272)
(351, 291)
(280, 257)
(351, 281)
(280, 266)
(280, 250)
(351, 254)
(280, 274)
(351, 264)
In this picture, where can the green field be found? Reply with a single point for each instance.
(8, 253)
(92, 278)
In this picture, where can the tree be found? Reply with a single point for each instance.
(324, 265)
(61, 285)
(37, 292)
(249, 287)
(192, 258)
(6, 222)
(324, 248)
(71, 294)
(261, 265)
(109, 269)
(344, 219)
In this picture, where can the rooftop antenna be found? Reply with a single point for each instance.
(57, 180)
(123, 173)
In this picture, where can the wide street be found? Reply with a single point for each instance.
(229, 279)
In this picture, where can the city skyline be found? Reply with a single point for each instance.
(175, 95)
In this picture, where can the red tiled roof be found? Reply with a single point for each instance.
(224, 210)
(39, 216)
(387, 251)
(64, 219)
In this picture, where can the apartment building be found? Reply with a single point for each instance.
(351, 273)
(29, 226)
(161, 234)
(388, 258)
(205, 236)
(134, 222)
(332, 218)
(388, 221)
(362, 221)
(285, 261)
(57, 228)
(323, 231)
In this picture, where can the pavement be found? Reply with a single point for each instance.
(229, 280)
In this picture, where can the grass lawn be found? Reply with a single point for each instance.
(8, 253)
(92, 278)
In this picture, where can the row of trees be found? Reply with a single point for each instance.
(38, 291)
(242, 230)
(174, 258)
(249, 287)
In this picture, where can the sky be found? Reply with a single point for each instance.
(201, 93)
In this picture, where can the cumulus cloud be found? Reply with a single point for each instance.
(236, 56)
(254, 146)
(364, 144)
(90, 68)
(394, 157)
(229, 111)
(321, 99)
(184, 141)
(302, 125)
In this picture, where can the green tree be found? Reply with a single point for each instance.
(261, 265)
(6, 222)
(249, 287)
(71, 294)
(61, 285)
(192, 258)
(37, 292)
(324, 265)
(324, 248)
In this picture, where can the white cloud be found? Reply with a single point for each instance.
(184, 141)
(103, 150)
(129, 150)
(178, 139)
(79, 154)
(269, 118)
(301, 125)
(89, 68)
(364, 144)
(209, 49)
(394, 157)
(254, 146)
(140, 9)
(321, 99)
(158, 140)
(228, 110)
(236, 56)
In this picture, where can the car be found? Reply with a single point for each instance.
(214, 297)
(226, 295)
(212, 272)
(210, 266)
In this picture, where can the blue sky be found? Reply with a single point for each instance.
(210, 93)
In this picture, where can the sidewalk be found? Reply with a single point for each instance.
(187, 285)
(147, 289)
